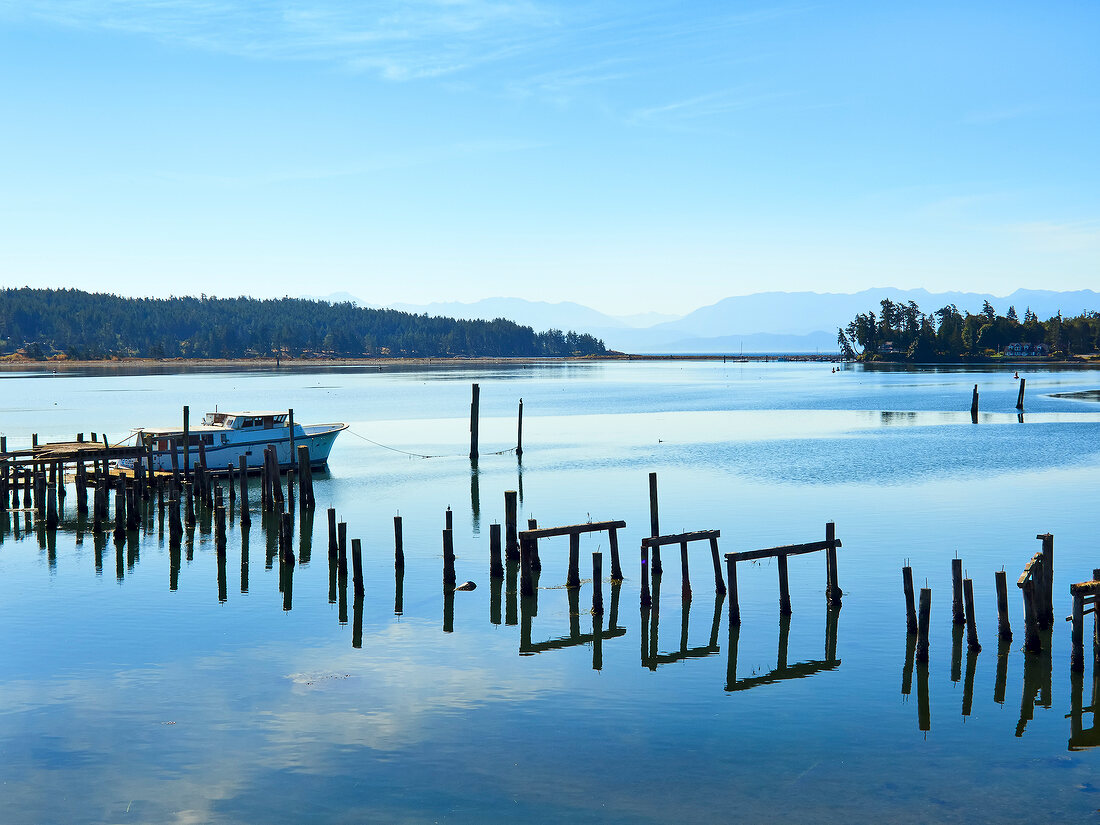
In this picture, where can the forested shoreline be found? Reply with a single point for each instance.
(902, 332)
(43, 324)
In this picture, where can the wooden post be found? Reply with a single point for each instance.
(597, 583)
(398, 545)
(784, 587)
(536, 562)
(290, 428)
(242, 466)
(474, 402)
(1032, 641)
(496, 567)
(971, 622)
(189, 515)
(219, 529)
(448, 519)
(654, 520)
(685, 578)
(526, 575)
(573, 578)
(922, 624)
(511, 519)
(833, 593)
(357, 566)
(342, 549)
(1004, 629)
(120, 509)
(910, 606)
(647, 600)
(305, 476)
(448, 558)
(1020, 397)
(613, 542)
(332, 542)
(519, 431)
(719, 584)
(974, 405)
(958, 614)
(1046, 620)
(187, 443)
(1077, 633)
(731, 583)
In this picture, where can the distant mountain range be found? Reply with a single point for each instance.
(762, 322)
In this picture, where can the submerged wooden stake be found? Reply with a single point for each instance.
(910, 606)
(1004, 629)
(971, 622)
(923, 620)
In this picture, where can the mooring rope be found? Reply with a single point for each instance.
(420, 455)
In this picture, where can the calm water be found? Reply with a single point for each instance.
(124, 701)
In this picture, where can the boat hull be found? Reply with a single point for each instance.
(318, 438)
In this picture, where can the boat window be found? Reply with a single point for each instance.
(268, 422)
(208, 438)
(231, 421)
(162, 444)
(225, 438)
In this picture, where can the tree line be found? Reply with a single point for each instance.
(69, 323)
(902, 332)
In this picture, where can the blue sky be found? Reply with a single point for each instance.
(629, 156)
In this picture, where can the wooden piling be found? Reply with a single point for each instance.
(187, 443)
(342, 548)
(246, 518)
(398, 545)
(573, 578)
(449, 557)
(731, 584)
(474, 403)
(971, 622)
(511, 522)
(120, 509)
(1046, 620)
(190, 505)
(833, 594)
(910, 606)
(290, 430)
(519, 431)
(613, 543)
(923, 620)
(448, 520)
(597, 583)
(219, 529)
(685, 578)
(332, 539)
(1077, 633)
(357, 566)
(305, 474)
(719, 583)
(1004, 628)
(536, 562)
(496, 567)
(784, 586)
(654, 520)
(958, 613)
(974, 405)
(1020, 397)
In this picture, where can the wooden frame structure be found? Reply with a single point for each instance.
(683, 539)
(833, 593)
(528, 550)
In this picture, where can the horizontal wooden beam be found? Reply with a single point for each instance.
(571, 530)
(680, 538)
(786, 550)
(1027, 569)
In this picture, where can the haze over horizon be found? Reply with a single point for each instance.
(643, 157)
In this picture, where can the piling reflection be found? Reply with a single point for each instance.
(1080, 737)
(528, 612)
(244, 560)
(475, 497)
(907, 668)
(1000, 684)
(398, 591)
(448, 608)
(968, 682)
(783, 670)
(924, 708)
(1038, 671)
(956, 652)
(357, 622)
(511, 593)
(652, 658)
(496, 588)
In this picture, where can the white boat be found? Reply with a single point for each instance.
(226, 436)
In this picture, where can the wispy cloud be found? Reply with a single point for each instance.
(399, 40)
(707, 105)
(1064, 236)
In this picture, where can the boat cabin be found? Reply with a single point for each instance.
(245, 420)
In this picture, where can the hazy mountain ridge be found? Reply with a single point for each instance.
(761, 322)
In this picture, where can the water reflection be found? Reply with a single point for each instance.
(652, 658)
(529, 611)
(1038, 670)
(1080, 737)
(783, 670)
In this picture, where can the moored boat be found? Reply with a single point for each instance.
(226, 436)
